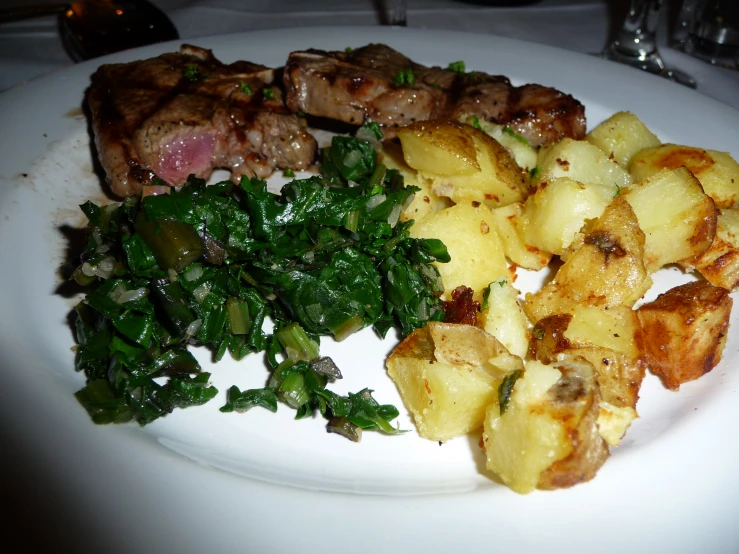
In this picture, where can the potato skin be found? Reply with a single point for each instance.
(685, 331)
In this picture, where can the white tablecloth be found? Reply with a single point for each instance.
(31, 48)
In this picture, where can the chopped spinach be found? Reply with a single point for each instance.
(208, 265)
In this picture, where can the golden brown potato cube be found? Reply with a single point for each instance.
(611, 341)
(547, 436)
(556, 212)
(476, 252)
(717, 171)
(462, 163)
(677, 217)
(580, 161)
(447, 375)
(621, 136)
(510, 223)
(605, 270)
(685, 331)
(719, 265)
(424, 202)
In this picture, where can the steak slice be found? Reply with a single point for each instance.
(380, 84)
(187, 113)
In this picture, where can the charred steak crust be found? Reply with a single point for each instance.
(187, 113)
(362, 85)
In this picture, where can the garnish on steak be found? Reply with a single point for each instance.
(378, 83)
(187, 113)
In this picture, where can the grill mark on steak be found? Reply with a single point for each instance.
(150, 120)
(355, 86)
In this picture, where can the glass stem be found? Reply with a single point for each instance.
(638, 36)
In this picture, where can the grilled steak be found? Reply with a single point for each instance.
(377, 83)
(187, 113)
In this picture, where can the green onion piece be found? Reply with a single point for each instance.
(245, 88)
(458, 67)
(293, 390)
(377, 176)
(351, 222)
(476, 123)
(510, 132)
(169, 297)
(348, 327)
(404, 77)
(289, 173)
(238, 316)
(534, 173)
(174, 245)
(268, 93)
(506, 388)
(191, 72)
(297, 343)
(345, 428)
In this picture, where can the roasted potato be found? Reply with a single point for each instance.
(621, 136)
(511, 223)
(477, 257)
(462, 163)
(685, 331)
(521, 149)
(558, 209)
(717, 172)
(447, 375)
(606, 269)
(611, 341)
(503, 317)
(548, 435)
(580, 161)
(677, 217)
(719, 265)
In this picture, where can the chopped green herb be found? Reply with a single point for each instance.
(245, 88)
(268, 93)
(535, 172)
(348, 49)
(288, 173)
(405, 77)
(476, 123)
(505, 389)
(510, 132)
(458, 67)
(207, 265)
(618, 191)
(192, 72)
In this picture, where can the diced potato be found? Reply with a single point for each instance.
(685, 331)
(504, 318)
(720, 263)
(605, 270)
(677, 217)
(558, 209)
(581, 161)
(717, 172)
(611, 341)
(621, 136)
(511, 224)
(447, 375)
(439, 148)
(496, 180)
(548, 436)
(424, 202)
(477, 257)
(521, 150)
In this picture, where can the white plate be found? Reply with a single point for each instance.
(199, 480)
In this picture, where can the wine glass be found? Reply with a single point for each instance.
(636, 43)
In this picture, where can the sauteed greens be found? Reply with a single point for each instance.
(208, 265)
